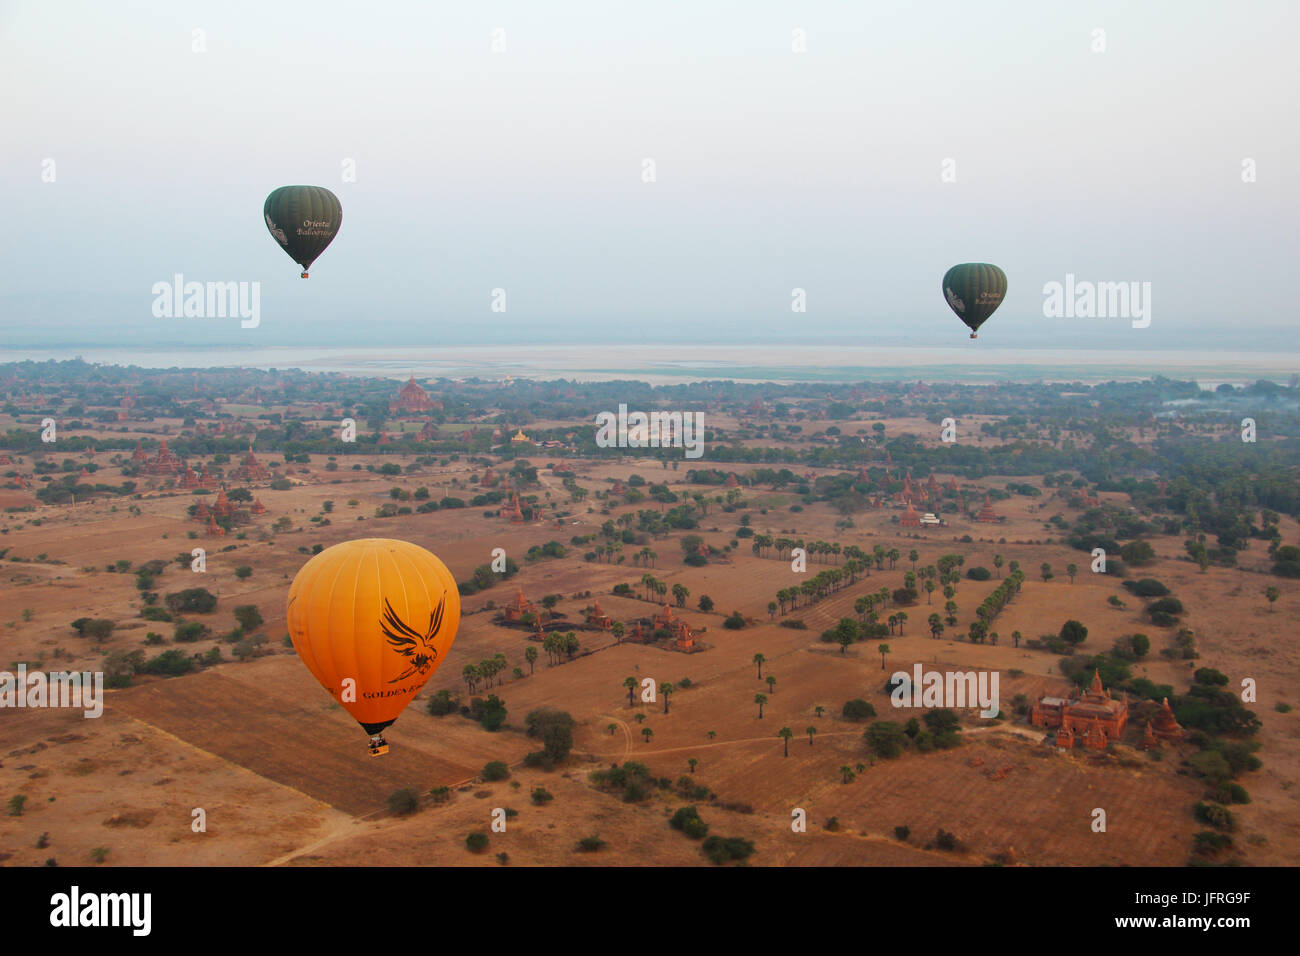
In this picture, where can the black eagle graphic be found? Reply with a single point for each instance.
(416, 647)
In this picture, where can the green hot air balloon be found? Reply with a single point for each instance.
(974, 290)
(303, 220)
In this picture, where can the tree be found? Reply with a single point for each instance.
(759, 659)
(692, 763)
(846, 774)
(666, 689)
(249, 617)
(913, 556)
(810, 730)
(1071, 570)
(760, 699)
(618, 630)
(530, 655)
(785, 733)
(1073, 632)
(884, 649)
(1272, 594)
(705, 603)
(771, 610)
(997, 563)
(1046, 570)
(771, 684)
(647, 733)
(886, 738)
(611, 728)
(631, 685)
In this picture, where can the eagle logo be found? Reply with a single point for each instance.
(276, 231)
(954, 300)
(417, 648)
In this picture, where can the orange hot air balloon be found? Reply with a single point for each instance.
(380, 612)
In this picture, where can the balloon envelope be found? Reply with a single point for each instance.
(974, 290)
(303, 220)
(380, 612)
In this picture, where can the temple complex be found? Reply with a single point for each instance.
(1093, 718)
(413, 400)
(222, 508)
(513, 511)
(598, 618)
(163, 463)
(516, 609)
(1164, 729)
(250, 469)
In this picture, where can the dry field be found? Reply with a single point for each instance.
(283, 777)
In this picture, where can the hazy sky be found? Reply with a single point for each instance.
(522, 169)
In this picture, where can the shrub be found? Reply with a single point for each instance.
(1146, 587)
(722, 849)
(886, 738)
(477, 842)
(979, 574)
(187, 632)
(153, 613)
(1215, 815)
(170, 663)
(495, 770)
(589, 844)
(542, 796)
(902, 833)
(403, 802)
(687, 819)
(857, 709)
(443, 703)
(191, 601)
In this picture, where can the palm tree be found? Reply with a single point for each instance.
(693, 763)
(810, 730)
(846, 773)
(530, 655)
(997, 563)
(936, 625)
(759, 659)
(611, 728)
(884, 649)
(680, 594)
(1046, 570)
(819, 710)
(1015, 635)
(902, 619)
(929, 590)
(771, 610)
(630, 684)
(666, 689)
(771, 683)
(760, 699)
(639, 717)
(647, 733)
(913, 556)
(785, 733)
(711, 734)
